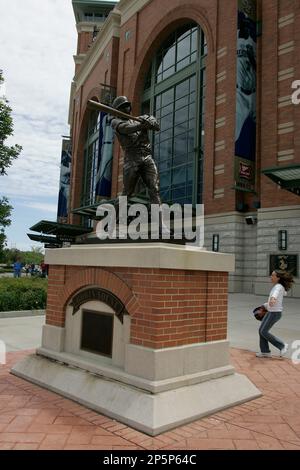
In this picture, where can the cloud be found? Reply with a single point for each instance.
(38, 40)
(37, 44)
(46, 207)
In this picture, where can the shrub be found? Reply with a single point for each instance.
(6, 270)
(22, 294)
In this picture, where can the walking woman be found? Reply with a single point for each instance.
(282, 282)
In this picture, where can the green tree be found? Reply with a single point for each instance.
(7, 156)
(34, 256)
(5, 213)
(9, 255)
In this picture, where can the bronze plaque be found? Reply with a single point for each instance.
(97, 332)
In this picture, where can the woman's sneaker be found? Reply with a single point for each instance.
(260, 354)
(284, 350)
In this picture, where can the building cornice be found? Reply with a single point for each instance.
(87, 26)
(71, 105)
(281, 208)
(79, 58)
(279, 213)
(129, 7)
(111, 28)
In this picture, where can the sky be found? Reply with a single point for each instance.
(38, 39)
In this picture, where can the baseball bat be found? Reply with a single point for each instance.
(112, 111)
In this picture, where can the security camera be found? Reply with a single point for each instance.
(251, 220)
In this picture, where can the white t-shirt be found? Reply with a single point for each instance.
(278, 292)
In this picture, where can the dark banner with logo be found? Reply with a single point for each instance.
(105, 158)
(284, 263)
(245, 130)
(64, 182)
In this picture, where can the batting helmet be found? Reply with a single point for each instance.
(121, 101)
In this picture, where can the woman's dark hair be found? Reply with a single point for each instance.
(285, 279)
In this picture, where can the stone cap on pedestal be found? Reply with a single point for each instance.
(150, 255)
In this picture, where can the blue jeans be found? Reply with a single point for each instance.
(265, 336)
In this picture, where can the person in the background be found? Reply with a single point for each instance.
(44, 269)
(282, 282)
(17, 268)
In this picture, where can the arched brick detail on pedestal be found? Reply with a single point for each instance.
(97, 277)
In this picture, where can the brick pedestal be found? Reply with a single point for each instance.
(168, 307)
(172, 342)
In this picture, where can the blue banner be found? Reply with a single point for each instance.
(64, 183)
(105, 158)
(245, 131)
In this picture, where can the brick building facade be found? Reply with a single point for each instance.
(126, 47)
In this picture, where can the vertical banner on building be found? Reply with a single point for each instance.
(64, 183)
(245, 130)
(105, 158)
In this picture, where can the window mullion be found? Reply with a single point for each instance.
(173, 140)
(175, 79)
(198, 121)
(152, 93)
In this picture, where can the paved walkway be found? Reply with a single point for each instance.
(34, 418)
(243, 328)
(21, 333)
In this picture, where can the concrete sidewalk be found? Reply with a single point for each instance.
(21, 333)
(243, 327)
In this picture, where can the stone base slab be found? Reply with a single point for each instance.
(162, 364)
(110, 372)
(149, 413)
(150, 364)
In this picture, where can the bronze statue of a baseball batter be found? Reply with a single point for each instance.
(138, 159)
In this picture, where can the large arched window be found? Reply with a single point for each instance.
(175, 93)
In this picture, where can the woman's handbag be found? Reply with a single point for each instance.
(260, 312)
